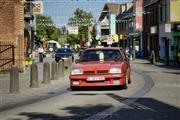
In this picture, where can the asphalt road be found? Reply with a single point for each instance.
(151, 96)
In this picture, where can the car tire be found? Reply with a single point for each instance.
(129, 79)
(126, 82)
(73, 88)
(57, 60)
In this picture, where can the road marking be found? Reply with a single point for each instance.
(167, 85)
(127, 102)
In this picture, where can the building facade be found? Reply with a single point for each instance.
(174, 6)
(12, 33)
(29, 30)
(107, 22)
(151, 28)
(125, 24)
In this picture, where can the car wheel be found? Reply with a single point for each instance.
(126, 82)
(73, 88)
(57, 60)
(129, 79)
(73, 59)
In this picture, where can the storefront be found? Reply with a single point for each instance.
(176, 47)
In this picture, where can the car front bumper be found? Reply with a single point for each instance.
(109, 80)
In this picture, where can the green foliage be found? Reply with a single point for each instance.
(83, 32)
(73, 39)
(93, 34)
(82, 19)
(45, 28)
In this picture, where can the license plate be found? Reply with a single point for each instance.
(95, 78)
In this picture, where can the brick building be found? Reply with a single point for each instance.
(151, 27)
(12, 32)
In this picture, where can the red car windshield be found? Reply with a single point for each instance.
(101, 55)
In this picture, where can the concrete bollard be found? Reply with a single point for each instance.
(152, 59)
(34, 82)
(70, 63)
(54, 70)
(134, 54)
(14, 80)
(46, 73)
(66, 65)
(61, 69)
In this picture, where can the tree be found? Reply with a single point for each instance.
(93, 34)
(45, 28)
(82, 19)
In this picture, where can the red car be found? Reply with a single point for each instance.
(106, 66)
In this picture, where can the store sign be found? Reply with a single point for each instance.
(109, 41)
(38, 7)
(174, 10)
(138, 16)
(153, 30)
(73, 30)
(167, 28)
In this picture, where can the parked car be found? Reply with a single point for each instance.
(100, 67)
(52, 46)
(63, 53)
(82, 50)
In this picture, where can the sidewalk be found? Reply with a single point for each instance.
(27, 94)
(157, 64)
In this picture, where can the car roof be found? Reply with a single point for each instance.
(63, 48)
(104, 48)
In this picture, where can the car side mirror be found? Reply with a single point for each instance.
(77, 60)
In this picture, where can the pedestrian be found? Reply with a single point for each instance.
(41, 52)
(127, 51)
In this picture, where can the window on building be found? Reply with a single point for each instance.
(161, 12)
(156, 15)
(124, 25)
(165, 12)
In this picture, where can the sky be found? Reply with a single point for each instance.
(61, 10)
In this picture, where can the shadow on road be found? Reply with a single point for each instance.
(99, 88)
(76, 113)
(142, 109)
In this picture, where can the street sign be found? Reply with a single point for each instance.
(153, 30)
(38, 7)
(109, 41)
(73, 30)
(167, 28)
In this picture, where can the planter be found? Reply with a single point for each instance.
(28, 63)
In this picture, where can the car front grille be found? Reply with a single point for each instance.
(96, 72)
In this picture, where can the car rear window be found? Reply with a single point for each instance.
(98, 55)
(64, 51)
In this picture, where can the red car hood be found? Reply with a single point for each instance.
(97, 65)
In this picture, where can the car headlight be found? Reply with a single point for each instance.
(76, 72)
(115, 70)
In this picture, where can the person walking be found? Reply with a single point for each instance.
(40, 51)
(127, 51)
